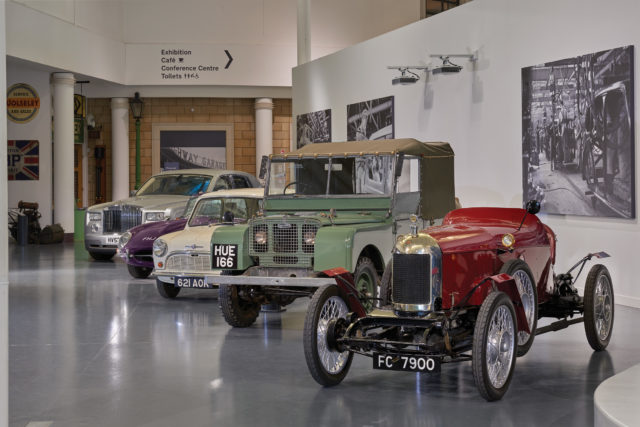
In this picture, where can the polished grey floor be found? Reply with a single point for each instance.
(90, 346)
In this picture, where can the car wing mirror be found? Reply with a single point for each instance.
(263, 167)
(533, 207)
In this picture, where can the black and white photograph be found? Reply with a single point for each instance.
(313, 127)
(374, 175)
(370, 120)
(578, 140)
(186, 149)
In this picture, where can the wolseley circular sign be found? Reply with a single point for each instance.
(23, 103)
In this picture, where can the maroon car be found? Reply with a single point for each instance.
(135, 245)
(471, 289)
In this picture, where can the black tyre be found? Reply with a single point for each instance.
(102, 256)
(367, 281)
(386, 285)
(328, 367)
(526, 284)
(238, 310)
(494, 346)
(167, 290)
(598, 307)
(139, 272)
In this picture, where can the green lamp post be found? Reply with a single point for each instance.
(136, 105)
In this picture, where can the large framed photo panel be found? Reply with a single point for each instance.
(578, 145)
(313, 127)
(372, 119)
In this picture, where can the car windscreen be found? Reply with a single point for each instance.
(364, 175)
(210, 211)
(177, 185)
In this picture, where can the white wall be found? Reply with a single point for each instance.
(479, 110)
(39, 128)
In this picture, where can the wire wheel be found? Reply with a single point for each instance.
(327, 366)
(598, 307)
(525, 283)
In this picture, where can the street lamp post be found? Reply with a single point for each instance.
(136, 105)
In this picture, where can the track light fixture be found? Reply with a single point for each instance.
(407, 76)
(449, 67)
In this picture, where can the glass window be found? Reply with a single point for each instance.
(223, 183)
(210, 211)
(178, 185)
(240, 181)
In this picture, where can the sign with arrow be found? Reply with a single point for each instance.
(209, 64)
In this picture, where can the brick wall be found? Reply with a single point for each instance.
(238, 111)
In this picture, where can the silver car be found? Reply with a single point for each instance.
(163, 196)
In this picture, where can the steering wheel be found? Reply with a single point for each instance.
(284, 190)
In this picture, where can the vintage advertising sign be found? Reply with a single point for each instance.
(23, 103)
(23, 160)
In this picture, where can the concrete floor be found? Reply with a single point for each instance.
(90, 346)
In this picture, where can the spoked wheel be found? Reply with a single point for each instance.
(139, 272)
(598, 307)
(327, 366)
(167, 290)
(523, 277)
(494, 346)
(367, 281)
(238, 310)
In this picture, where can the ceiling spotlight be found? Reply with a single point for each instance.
(406, 76)
(449, 67)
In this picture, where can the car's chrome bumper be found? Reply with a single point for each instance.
(281, 282)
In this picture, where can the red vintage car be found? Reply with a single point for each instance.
(471, 289)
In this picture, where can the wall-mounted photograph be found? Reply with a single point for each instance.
(187, 149)
(313, 127)
(578, 140)
(372, 119)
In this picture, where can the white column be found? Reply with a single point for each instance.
(264, 129)
(304, 31)
(4, 238)
(120, 147)
(63, 185)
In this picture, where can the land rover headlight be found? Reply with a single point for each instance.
(260, 237)
(153, 216)
(159, 247)
(309, 238)
(124, 239)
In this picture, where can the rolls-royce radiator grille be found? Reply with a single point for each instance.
(285, 245)
(188, 262)
(118, 219)
(411, 279)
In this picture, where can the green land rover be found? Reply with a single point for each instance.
(328, 206)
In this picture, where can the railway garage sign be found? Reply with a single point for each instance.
(23, 103)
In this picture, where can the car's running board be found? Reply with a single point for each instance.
(560, 324)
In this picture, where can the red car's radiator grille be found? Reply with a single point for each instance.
(411, 279)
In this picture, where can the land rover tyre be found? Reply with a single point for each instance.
(367, 281)
(327, 366)
(494, 346)
(167, 290)
(525, 282)
(598, 307)
(139, 272)
(385, 285)
(238, 311)
(101, 256)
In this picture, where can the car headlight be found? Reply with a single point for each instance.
(159, 247)
(260, 237)
(95, 227)
(124, 239)
(153, 216)
(94, 216)
(309, 238)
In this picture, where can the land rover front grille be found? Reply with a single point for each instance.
(285, 241)
(411, 279)
(118, 219)
(188, 262)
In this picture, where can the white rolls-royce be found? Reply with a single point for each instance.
(183, 258)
